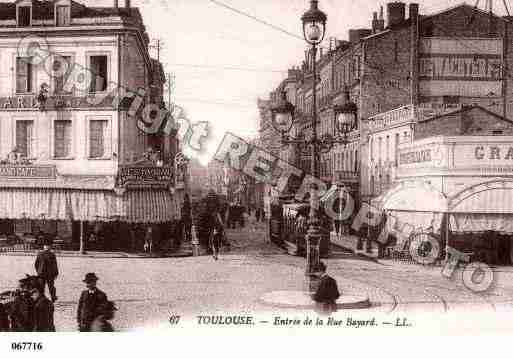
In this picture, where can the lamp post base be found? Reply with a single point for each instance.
(313, 240)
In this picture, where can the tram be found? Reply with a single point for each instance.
(288, 226)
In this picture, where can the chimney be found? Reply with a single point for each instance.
(374, 22)
(116, 4)
(414, 11)
(396, 13)
(380, 23)
(128, 4)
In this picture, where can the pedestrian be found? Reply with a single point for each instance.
(102, 322)
(90, 303)
(327, 293)
(43, 310)
(186, 218)
(47, 269)
(148, 240)
(21, 313)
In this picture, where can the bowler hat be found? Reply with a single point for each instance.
(90, 277)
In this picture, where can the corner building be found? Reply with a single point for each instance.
(74, 163)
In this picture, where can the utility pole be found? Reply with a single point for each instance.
(158, 46)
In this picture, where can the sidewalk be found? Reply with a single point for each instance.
(350, 242)
(95, 254)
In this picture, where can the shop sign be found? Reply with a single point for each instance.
(461, 67)
(496, 157)
(415, 157)
(55, 102)
(145, 176)
(434, 155)
(27, 171)
(391, 118)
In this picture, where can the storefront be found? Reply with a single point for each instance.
(87, 212)
(460, 189)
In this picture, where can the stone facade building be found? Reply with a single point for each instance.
(75, 82)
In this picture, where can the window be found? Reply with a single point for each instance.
(497, 132)
(62, 138)
(24, 15)
(98, 138)
(24, 75)
(63, 16)
(388, 148)
(61, 71)
(356, 161)
(99, 69)
(380, 148)
(372, 189)
(396, 149)
(25, 138)
(396, 51)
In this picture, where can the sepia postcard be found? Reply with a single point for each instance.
(192, 169)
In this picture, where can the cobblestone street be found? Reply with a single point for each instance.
(148, 290)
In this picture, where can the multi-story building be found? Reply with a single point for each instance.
(74, 147)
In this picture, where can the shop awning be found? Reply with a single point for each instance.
(59, 204)
(416, 197)
(150, 206)
(496, 200)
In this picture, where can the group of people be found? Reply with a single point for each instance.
(27, 309)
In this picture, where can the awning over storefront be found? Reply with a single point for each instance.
(415, 197)
(59, 204)
(488, 197)
(150, 206)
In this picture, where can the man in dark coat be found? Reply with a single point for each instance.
(90, 303)
(327, 293)
(21, 311)
(43, 311)
(47, 270)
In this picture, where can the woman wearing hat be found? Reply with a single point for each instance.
(90, 303)
(102, 322)
(43, 310)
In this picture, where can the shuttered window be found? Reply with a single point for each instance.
(63, 15)
(98, 137)
(24, 75)
(62, 69)
(98, 66)
(62, 138)
(24, 138)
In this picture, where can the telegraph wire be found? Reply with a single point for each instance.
(243, 13)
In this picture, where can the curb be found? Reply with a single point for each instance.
(302, 300)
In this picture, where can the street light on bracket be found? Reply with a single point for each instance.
(314, 30)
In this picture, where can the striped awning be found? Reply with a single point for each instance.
(150, 206)
(59, 204)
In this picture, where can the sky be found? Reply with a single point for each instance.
(223, 61)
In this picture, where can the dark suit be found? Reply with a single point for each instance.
(47, 270)
(22, 313)
(327, 292)
(43, 315)
(88, 308)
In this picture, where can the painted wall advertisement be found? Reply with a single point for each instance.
(461, 67)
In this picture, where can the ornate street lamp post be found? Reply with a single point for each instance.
(314, 30)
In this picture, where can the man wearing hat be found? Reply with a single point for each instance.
(90, 303)
(43, 310)
(22, 310)
(47, 270)
(102, 322)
